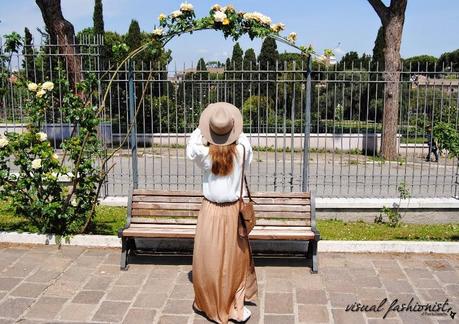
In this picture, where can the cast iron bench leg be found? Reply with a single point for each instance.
(312, 254)
(124, 254)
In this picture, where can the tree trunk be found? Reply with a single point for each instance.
(393, 35)
(392, 19)
(62, 33)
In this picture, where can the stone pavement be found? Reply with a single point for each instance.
(41, 284)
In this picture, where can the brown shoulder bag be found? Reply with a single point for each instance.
(246, 211)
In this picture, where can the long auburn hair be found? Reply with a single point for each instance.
(222, 158)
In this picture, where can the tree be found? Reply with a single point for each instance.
(250, 60)
(268, 54)
(392, 19)
(267, 61)
(134, 36)
(421, 63)
(449, 60)
(378, 50)
(98, 18)
(29, 57)
(201, 70)
(236, 66)
(62, 33)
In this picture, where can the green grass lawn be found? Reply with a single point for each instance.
(109, 219)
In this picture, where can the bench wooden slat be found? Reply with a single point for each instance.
(188, 206)
(193, 220)
(278, 214)
(259, 232)
(187, 199)
(147, 192)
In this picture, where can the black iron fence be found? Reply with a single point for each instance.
(340, 127)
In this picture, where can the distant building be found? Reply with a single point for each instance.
(179, 75)
(446, 85)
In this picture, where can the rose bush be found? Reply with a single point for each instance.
(30, 169)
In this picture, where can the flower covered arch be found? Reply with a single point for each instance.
(233, 24)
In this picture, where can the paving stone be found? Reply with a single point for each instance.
(384, 321)
(157, 285)
(108, 270)
(150, 300)
(424, 283)
(130, 279)
(419, 273)
(98, 252)
(415, 318)
(88, 297)
(98, 283)
(173, 319)
(439, 265)
(306, 296)
(279, 285)
(178, 306)
(368, 282)
(279, 319)
(375, 304)
(20, 270)
(452, 290)
(62, 288)
(435, 294)
(46, 308)
(371, 293)
(279, 303)
(313, 314)
(125, 293)
(341, 299)
(44, 276)
(28, 289)
(277, 272)
(340, 285)
(341, 316)
(139, 315)
(308, 282)
(88, 261)
(76, 273)
(183, 291)
(451, 277)
(77, 312)
(164, 272)
(398, 286)
(12, 307)
(111, 311)
(8, 283)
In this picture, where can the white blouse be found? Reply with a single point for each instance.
(219, 188)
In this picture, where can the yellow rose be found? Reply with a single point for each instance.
(216, 7)
(41, 93)
(48, 86)
(36, 164)
(55, 156)
(186, 7)
(219, 16)
(3, 142)
(162, 16)
(32, 87)
(176, 13)
(226, 21)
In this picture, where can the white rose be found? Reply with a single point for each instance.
(158, 32)
(332, 60)
(41, 93)
(176, 13)
(291, 37)
(74, 203)
(42, 136)
(186, 7)
(162, 16)
(32, 87)
(219, 16)
(55, 156)
(265, 19)
(277, 27)
(48, 86)
(3, 142)
(36, 164)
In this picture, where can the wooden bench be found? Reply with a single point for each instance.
(173, 214)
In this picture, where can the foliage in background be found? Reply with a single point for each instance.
(35, 189)
(393, 214)
(447, 137)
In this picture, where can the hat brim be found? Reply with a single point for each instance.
(216, 139)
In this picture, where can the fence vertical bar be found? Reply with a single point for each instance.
(133, 132)
(307, 127)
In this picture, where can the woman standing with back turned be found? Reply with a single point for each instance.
(223, 272)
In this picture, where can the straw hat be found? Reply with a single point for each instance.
(221, 123)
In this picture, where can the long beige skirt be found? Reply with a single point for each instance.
(223, 271)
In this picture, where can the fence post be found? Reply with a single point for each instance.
(133, 121)
(307, 127)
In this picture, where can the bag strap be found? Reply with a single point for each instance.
(242, 176)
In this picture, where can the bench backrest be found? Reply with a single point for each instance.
(182, 207)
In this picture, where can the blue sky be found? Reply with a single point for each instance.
(431, 27)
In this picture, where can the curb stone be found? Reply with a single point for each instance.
(324, 246)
